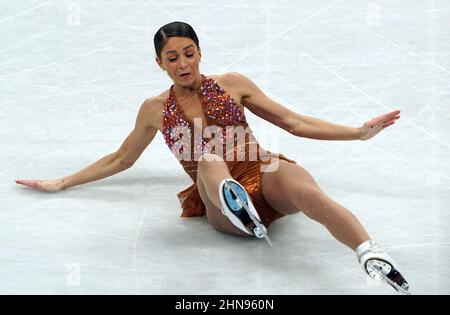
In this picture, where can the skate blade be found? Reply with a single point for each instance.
(393, 283)
(396, 286)
(269, 241)
(261, 234)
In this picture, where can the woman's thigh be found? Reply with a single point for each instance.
(285, 188)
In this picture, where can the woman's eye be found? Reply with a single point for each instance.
(175, 59)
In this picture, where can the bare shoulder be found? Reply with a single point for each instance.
(231, 79)
(155, 103)
(151, 110)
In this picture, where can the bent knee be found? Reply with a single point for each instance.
(208, 162)
(209, 157)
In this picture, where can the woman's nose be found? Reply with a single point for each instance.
(183, 63)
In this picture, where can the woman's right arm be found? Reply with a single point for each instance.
(137, 141)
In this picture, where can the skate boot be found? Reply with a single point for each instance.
(238, 207)
(380, 266)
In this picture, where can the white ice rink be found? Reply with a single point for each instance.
(74, 73)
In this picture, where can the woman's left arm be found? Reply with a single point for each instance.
(314, 128)
(301, 125)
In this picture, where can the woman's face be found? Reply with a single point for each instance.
(180, 58)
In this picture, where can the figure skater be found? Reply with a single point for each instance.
(238, 185)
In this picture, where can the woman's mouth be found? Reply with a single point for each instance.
(185, 76)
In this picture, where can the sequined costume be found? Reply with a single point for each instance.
(245, 159)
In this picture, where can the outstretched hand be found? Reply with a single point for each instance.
(42, 185)
(371, 128)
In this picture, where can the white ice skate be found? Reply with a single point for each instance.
(238, 207)
(380, 266)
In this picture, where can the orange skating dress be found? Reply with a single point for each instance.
(187, 144)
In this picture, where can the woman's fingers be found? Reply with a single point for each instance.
(388, 118)
(393, 115)
(29, 183)
(41, 185)
(22, 182)
(388, 125)
(375, 125)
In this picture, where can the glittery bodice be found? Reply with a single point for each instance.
(221, 111)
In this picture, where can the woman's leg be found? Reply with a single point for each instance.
(291, 189)
(209, 176)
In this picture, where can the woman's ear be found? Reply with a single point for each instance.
(159, 62)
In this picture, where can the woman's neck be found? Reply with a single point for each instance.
(186, 91)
